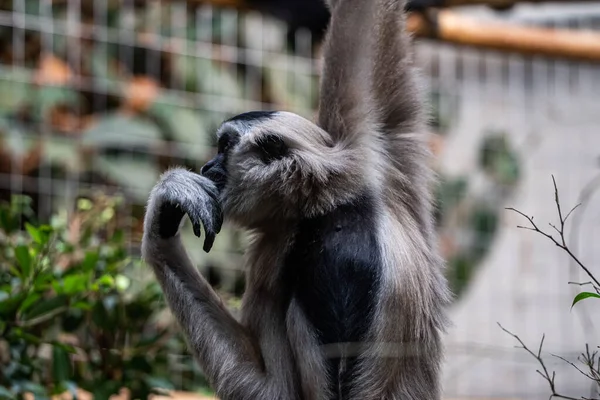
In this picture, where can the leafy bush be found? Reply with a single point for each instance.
(76, 312)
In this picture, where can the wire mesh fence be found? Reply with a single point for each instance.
(103, 96)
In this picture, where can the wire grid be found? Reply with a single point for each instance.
(524, 97)
(546, 109)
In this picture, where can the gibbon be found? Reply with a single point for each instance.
(345, 294)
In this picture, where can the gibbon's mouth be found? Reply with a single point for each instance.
(215, 171)
(219, 177)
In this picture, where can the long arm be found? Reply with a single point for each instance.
(229, 355)
(369, 94)
(397, 96)
(367, 83)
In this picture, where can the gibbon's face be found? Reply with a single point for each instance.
(266, 166)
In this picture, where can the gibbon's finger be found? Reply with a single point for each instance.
(207, 212)
(217, 224)
(197, 230)
(217, 216)
(219, 221)
(212, 219)
(209, 240)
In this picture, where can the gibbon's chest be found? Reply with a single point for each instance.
(333, 270)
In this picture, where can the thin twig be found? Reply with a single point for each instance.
(561, 242)
(580, 283)
(574, 366)
(570, 212)
(545, 374)
(586, 358)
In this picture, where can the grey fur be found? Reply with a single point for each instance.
(370, 134)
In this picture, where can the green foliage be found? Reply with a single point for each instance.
(73, 311)
(583, 296)
(448, 194)
(443, 110)
(498, 159)
(482, 224)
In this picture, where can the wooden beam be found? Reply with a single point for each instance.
(449, 26)
(491, 3)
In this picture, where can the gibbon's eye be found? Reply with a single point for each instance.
(223, 145)
(227, 141)
(271, 148)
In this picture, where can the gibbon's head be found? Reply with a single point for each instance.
(273, 167)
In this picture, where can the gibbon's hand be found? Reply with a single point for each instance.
(181, 192)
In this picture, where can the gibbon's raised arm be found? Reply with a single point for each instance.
(345, 100)
(229, 355)
(367, 83)
(398, 101)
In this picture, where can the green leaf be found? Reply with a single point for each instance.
(6, 394)
(74, 284)
(15, 87)
(140, 179)
(29, 301)
(24, 258)
(82, 305)
(34, 233)
(35, 388)
(49, 97)
(106, 280)
(47, 307)
(66, 347)
(10, 305)
(90, 260)
(62, 153)
(115, 130)
(159, 382)
(84, 204)
(103, 391)
(61, 364)
(27, 336)
(583, 296)
(43, 281)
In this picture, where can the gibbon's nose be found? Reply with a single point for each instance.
(208, 166)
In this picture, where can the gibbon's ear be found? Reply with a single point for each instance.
(271, 148)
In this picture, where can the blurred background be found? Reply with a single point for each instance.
(97, 98)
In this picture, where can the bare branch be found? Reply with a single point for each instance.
(570, 212)
(539, 354)
(587, 359)
(544, 372)
(554, 226)
(574, 366)
(561, 231)
(557, 201)
(580, 283)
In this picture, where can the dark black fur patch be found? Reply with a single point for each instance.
(216, 170)
(252, 116)
(271, 148)
(333, 270)
(170, 217)
(227, 140)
